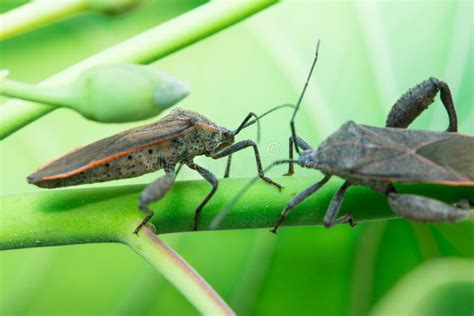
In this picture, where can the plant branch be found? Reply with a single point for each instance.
(37, 13)
(31, 92)
(178, 272)
(110, 214)
(143, 48)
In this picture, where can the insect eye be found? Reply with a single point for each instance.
(226, 134)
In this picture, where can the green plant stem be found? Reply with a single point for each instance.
(37, 13)
(178, 272)
(51, 96)
(143, 48)
(110, 214)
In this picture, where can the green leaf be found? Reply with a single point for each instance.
(438, 287)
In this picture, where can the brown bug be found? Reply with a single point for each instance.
(377, 157)
(175, 139)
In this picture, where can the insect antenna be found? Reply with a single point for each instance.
(223, 213)
(257, 118)
(287, 105)
(292, 122)
(244, 122)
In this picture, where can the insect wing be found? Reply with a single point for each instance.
(419, 156)
(455, 154)
(115, 146)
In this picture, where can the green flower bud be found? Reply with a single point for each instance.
(121, 93)
(111, 7)
(109, 93)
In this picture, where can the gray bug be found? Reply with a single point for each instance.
(175, 139)
(378, 157)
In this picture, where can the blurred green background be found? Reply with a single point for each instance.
(370, 54)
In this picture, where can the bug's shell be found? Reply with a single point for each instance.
(361, 152)
(178, 137)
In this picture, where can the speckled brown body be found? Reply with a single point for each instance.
(175, 139)
(178, 137)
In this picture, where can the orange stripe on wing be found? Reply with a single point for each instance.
(453, 183)
(66, 154)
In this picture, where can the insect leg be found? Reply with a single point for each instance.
(336, 202)
(227, 167)
(297, 200)
(291, 165)
(424, 209)
(206, 174)
(417, 99)
(299, 143)
(239, 146)
(154, 192)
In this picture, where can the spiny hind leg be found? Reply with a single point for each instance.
(419, 98)
(154, 192)
(424, 209)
